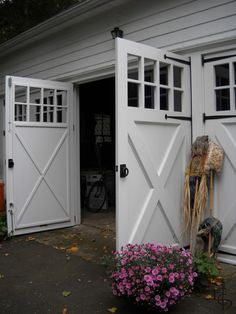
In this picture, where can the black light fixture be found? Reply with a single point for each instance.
(116, 32)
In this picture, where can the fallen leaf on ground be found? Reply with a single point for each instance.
(1, 276)
(209, 297)
(66, 293)
(6, 254)
(112, 309)
(65, 311)
(30, 239)
(73, 249)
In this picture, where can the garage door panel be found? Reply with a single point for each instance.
(231, 131)
(40, 142)
(159, 221)
(37, 140)
(151, 145)
(137, 198)
(59, 165)
(220, 106)
(26, 174)
(40, 210)
(157, 138)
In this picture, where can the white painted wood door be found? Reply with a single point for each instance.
(38, 126)
(220, 124)
(150, 87)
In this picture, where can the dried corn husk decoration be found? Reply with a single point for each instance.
(214, 158)
(195, 189)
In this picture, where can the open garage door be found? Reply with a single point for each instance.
(38, 155)
(220, 124)
(153, 112)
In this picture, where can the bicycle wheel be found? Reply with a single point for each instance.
(96, 197)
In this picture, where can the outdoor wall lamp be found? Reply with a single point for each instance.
(116, 32)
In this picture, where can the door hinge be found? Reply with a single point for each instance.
(178, 117)
(74, 218)
(177, 60)
(215, 58)
(4, 133)
(10, 82)
(205, 117)
(73, 127)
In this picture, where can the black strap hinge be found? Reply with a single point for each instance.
(177, 60)
(178, 117)
(206, 60)
(205, 117)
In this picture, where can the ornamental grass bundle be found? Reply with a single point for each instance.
(195, 189)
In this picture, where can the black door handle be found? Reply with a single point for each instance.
(124, 171)
(10, 163)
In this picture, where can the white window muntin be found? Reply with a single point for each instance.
(40, 106)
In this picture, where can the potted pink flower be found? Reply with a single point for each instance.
(155, 276)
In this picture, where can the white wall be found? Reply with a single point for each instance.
(171, 24)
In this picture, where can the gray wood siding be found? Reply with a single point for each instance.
(85, 46)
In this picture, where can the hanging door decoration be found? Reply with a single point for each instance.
(204, 233)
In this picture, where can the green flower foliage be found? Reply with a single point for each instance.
(206, 268)
(3, 227)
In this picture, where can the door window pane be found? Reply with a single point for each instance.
(133, 67)
(35, 95)
(149, 96)
(234, 98)
(61, 99)
(20, 112)
(177, 100)
(48, 96)
(48, 113)
(163, 74)
(177, 76)
(61, 115)
(234, 73)
(149, 70)
(222, 99)
(164, 99)
(133, 91)
(222, 74)
(34, 113)
(21, 94)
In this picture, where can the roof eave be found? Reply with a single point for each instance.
(55, 23)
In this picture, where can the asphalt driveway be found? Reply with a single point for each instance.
(38, 278)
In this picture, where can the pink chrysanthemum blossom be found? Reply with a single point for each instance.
(154, 275)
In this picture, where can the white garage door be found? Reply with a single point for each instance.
(153, 142)
(37, 152)
(220, 123)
